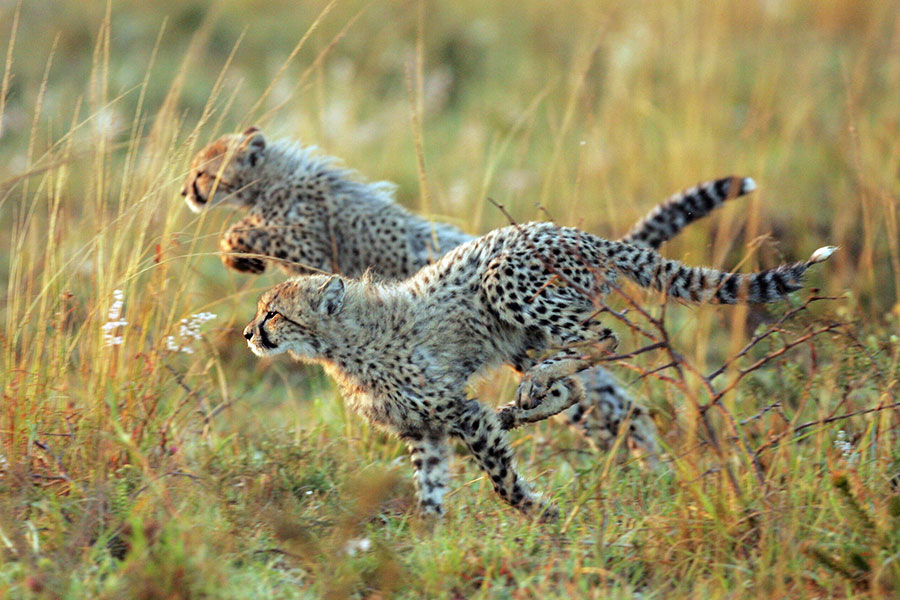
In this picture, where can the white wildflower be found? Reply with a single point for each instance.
(842, 444)
(173, 346)
(115, 320)
(354, 547)
(188, 331)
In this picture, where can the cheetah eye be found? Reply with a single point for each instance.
(271, 314)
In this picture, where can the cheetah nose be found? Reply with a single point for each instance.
(248, 332)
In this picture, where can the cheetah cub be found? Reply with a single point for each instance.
(306, 214)
(403, 352)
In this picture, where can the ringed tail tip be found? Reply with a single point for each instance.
(747, 185)
(822, 254)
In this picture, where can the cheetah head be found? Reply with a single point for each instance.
(292, 316)
(225, 170)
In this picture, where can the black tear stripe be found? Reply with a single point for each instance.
(264, 339)
(197, 193)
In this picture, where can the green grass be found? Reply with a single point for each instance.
(139, 470)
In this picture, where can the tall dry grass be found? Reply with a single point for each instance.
(144, 452)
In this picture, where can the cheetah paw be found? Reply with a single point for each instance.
(531, 391)
(548, 513)
(244, 264)
(540, 509)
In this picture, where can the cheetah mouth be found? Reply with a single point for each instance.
(262, 349)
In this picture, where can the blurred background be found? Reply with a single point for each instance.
(595, 111)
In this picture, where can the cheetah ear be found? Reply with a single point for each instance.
(331, 296)
(253, 146)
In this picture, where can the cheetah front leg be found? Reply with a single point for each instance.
(242, 240)
(429, 456)
(546, 390)
(480, 430)
(549, 387)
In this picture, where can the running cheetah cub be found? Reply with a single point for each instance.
(306, 214)
(403, 352)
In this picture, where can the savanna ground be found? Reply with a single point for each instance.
(144, 452)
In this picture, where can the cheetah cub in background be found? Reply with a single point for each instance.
(403, 352)
(308, 215)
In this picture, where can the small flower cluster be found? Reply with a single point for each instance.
(188, 331)
(357, 546)
(842, 444)
(115, 320)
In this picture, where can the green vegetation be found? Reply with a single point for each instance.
(155, 457)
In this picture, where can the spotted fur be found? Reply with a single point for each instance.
(526, 296)
(308, 215)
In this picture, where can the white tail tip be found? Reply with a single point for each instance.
(822, 254)
(748, 185)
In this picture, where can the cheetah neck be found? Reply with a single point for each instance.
(376, 322)
(290, 163)
(373, 317)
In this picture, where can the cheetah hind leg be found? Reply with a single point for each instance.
(605, 412)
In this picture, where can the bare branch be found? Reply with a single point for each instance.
(833, 419)
(775, 354)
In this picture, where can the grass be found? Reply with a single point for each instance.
(168, 464)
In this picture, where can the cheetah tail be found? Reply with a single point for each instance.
(699, 284)
(679, 210)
